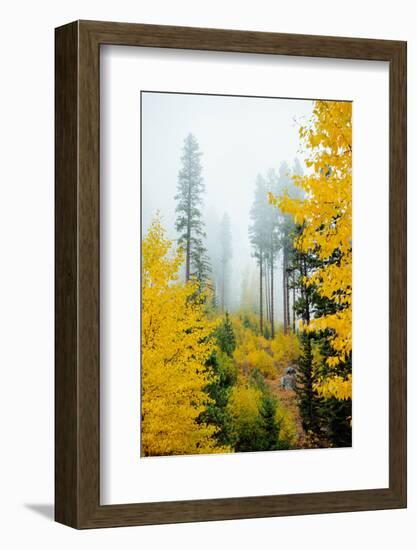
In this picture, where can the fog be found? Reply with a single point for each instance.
(240, 137)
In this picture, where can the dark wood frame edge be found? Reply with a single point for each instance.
(77, 359)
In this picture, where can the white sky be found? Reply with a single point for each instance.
(239, 137)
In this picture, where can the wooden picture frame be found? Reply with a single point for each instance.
(77, 372)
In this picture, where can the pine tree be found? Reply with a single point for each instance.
(335, 414)
(271, 428)
(268, 437)
(258, 234)
(265, 240)
(189, 222)
(226, 337)
(309, 401)
(286, 232)
(325, 214)
(273, 245)
(327, 419)
(201, 265)
(217, 413)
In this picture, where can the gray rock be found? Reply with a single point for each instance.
(288, 381)
(290, 370)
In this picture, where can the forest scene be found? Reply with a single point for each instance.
(246, 274)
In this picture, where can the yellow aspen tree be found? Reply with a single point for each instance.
(176, 343)
(325, 216)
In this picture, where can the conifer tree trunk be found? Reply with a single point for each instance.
(267, 302)
(188, 250)
(189, 223)
(308, 402)
(307, 297)
(293, 301)
(284, 289)
(308, 352)
(287, 300)
(260, 293)
(272, 295)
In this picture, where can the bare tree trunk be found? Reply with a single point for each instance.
(188, 247)
(188, 253)
(293, 301)
(287, 289)
(268, 312)
(307, 293)
(272, 295)
(260, 293)
(284, 289)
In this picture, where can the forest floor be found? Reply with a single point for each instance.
(288, 399)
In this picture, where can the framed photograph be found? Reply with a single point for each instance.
(230, 274)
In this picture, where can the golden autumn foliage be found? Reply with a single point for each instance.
(244, 404)
(335, 386)
(288, 429)
(245, 407)
(285, 348)
(325, 215)
(250, 356)
(331, 385)
(256, 352)
(214, 366)
(176, 343)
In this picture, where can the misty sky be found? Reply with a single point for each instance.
(240, 137)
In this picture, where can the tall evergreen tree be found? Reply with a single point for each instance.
(258, 236)
(309, 401)
(189, 222)
(224, 368)
(287, 233)
(266, 240)
(326, 419)
(273, 244)
(226, 337)
(217, 413)
(267, 433)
